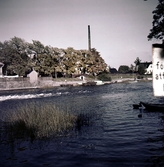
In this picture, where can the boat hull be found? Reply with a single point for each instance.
(136, 106)
(153, 107)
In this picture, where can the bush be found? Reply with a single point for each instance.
(104, 77)
(140, 77)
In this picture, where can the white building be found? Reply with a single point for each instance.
(149, 70)
(33, 77)
(1, 66)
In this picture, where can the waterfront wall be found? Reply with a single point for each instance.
(20, 83)
(24, 83)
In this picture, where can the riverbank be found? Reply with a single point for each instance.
(71, 82)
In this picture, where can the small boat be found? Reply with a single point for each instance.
(153, 107)
(136, 106)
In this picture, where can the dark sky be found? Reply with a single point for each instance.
(119, 28)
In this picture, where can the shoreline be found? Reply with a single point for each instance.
(80, 83)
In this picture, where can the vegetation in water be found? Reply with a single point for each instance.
(37, 120)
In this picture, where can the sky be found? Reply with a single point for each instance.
(119, 28)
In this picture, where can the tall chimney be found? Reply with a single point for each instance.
(89, 38)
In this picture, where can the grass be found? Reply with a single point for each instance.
(38, 120)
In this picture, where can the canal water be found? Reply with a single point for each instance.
(116, 137)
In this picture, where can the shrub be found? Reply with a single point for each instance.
(104, 77)
(140, 77)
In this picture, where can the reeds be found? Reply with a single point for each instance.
(38, 120)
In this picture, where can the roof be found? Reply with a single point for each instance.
(146, 64)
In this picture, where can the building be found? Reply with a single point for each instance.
(33, 77)
(149, 70)
(1, 66)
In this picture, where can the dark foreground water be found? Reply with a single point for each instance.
(117, 137)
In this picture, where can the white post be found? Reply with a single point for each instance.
(158, 69)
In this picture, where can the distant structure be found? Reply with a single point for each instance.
(33, 77)
(1, 66)
(89, 38)
(149, 70)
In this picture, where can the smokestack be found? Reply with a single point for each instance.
(89, 38)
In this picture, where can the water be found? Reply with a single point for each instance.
(116, 137)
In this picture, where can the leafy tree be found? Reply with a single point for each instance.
(137, 61)
(83, 61)
(43, 64)
(38, 47)
(57, 58)
(15, 59)
(98, 64)
(43, 58)
(18, 64)
(21, 57)
(68, 62)
(157, 30)
(132, 68)
(141, 69)
(123, 69)
(19, 44)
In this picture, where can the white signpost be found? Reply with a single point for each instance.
(158, 69)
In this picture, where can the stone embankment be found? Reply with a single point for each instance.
(46, 82)
(24, 83)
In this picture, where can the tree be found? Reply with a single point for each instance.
(21, 57)
(19, 44)
(69, 61)
(123, 69)
(14, 57)
(141, 69)
(38, 47)
(157, 30)
(137, 63)
(99, 64)
(132, 68)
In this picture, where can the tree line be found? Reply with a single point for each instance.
(139, 67)
(20, 58)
